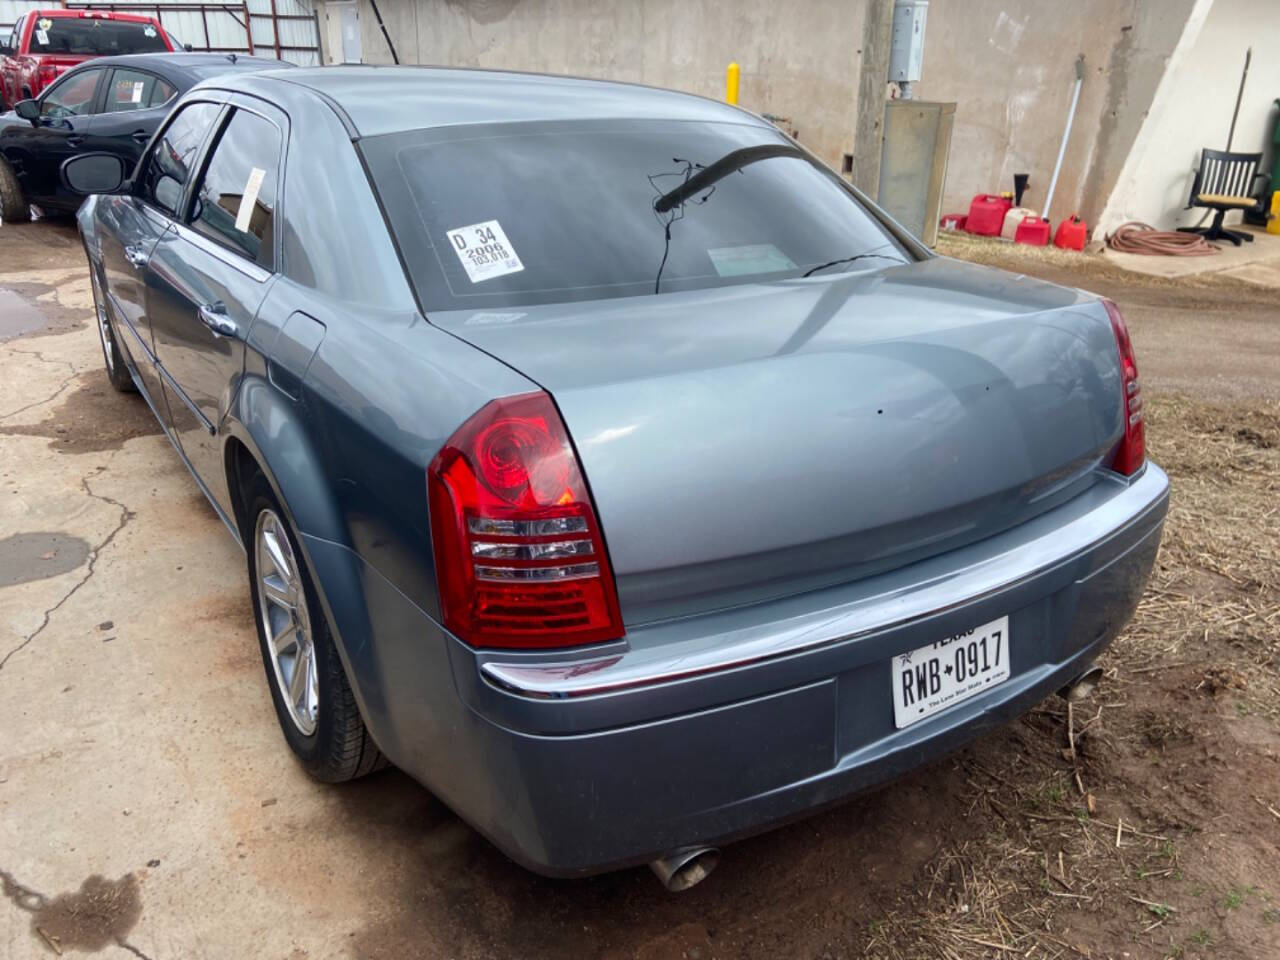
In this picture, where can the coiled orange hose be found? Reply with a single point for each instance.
(1135, 237)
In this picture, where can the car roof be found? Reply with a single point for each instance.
(141, 17)
(179, 62)
(376, 100)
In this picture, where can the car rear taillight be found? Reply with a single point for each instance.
(46, 73)
(1132, 453)
(520, 561)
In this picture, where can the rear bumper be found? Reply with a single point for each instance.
(750, 720)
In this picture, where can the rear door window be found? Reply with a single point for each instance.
(135, 90)
(95, 36)
(236, 199)
(169, 165)
(72, 96)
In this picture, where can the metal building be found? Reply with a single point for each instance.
(284, 29)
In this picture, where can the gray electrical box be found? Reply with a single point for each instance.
(913, 164)
(906, 52)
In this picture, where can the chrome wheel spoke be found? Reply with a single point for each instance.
(278, 593)
(276, 552)
(282, 615)
(298, 680)
(286, 639)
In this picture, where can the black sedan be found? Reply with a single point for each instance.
(110, 104)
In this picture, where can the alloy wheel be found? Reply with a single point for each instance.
(282, 611)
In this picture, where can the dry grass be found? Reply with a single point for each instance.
(1060, 868)
(1216, 587)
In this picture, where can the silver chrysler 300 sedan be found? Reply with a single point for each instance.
(604, 460)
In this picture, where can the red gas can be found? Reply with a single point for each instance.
(1072, 233)
(1032, 230)
(986, 214)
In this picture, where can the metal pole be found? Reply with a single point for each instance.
(1248, 56)
(1062, 150)
(390, 46)
(731, 83)
(275, 29)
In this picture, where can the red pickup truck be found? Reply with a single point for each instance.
(46, 43)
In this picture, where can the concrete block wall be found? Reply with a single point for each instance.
(1007, 64)
(1192, 110)
(798, 60)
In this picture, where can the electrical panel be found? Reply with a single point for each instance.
(906, 52)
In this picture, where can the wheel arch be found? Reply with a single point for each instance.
(266, 435)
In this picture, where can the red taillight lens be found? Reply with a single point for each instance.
(520, 561)
(1132, 453)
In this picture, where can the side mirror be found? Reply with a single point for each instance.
(93, 173)
(28, 110)
(187, 47)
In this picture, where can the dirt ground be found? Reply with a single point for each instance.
(148, 806)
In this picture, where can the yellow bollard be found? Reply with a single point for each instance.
(731, 84)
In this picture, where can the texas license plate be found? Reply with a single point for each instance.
(949, 671)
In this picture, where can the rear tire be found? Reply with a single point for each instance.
(13, 205)
(318, 714)
(117, 372)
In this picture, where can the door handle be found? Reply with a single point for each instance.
(140, 136)
(136, 255)
(75, 140)
(214, 316)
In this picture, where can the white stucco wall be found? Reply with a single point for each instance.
(1192, 110)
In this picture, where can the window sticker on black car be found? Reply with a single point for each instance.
(485, 251)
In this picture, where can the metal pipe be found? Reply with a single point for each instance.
(685, 868)
(1062, 150)
(1082, 686)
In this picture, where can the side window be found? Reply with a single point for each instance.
(235, 204)
(135, 90)
(167, 167)
(71, 96)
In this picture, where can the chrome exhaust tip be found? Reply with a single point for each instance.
(685, 868)
(1082, 687)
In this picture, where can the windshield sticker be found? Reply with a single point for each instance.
(149, 32)
(249, 199)
(485, 251)
(44, 23)
(753, 258)
(42, 38)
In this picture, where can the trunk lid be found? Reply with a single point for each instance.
(754, 441)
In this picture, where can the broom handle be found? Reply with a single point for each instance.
(1062, 150)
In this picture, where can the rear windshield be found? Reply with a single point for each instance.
(532, 213)
(94, 37)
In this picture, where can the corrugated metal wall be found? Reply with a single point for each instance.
(283, 28)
